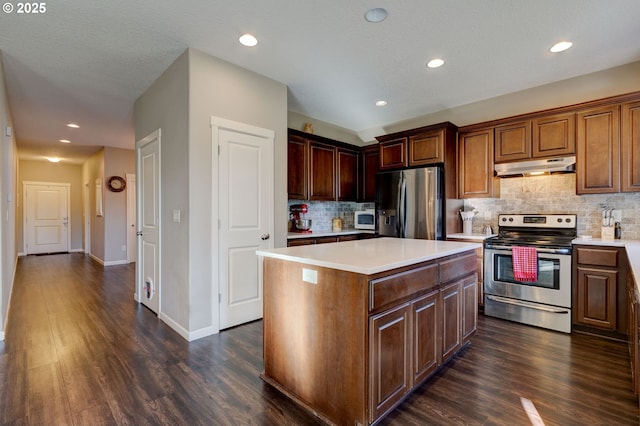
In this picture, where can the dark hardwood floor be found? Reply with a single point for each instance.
(79, 350)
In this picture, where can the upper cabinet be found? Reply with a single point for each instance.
(370, 165)
(538, 137)
(630, 135)
(598, 153)
(321, 169)
(475, 164)
(426, 148)
(297, 168)
(393, 153)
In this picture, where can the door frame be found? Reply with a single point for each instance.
(86, 218)
(132, 216)
(25, 231)
(218, 123)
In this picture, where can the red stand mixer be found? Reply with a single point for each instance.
(296, 215)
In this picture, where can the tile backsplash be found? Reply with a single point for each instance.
(322, 212)
(557, 194)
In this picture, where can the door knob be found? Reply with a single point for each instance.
(265, 236)
(139, 233)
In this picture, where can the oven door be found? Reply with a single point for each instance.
(553, 286)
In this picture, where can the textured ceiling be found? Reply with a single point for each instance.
(87, 61)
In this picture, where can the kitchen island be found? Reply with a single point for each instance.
(351, 328)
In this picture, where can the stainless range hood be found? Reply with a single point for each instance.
(537, 167)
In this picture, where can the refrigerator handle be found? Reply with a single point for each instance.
(402, 212)
(398, 202)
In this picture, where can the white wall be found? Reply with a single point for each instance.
(8, 190)
(181, 102)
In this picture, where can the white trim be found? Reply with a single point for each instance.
(26, 184)
(1, 336)
(218, 123)
(184, 333)
(96, 258)
(131, 214)
(86, 217)
(116, 262)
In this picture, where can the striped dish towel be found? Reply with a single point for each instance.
(525, 263)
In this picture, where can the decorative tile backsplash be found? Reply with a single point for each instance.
(557, 194)
(322, 212)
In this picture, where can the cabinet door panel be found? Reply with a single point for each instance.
(347, 175)
(297, 156)
(475, 164)
(393, 154)
(554, 135)
(426, 148)
(370, 166)
(513, 142)
(631, 147)
(469, 306)
(451, 330)
(426, 336)
(322, 165)
(390, 352)
(598, 151)
(597, 297)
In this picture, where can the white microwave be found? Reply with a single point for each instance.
(365, 219)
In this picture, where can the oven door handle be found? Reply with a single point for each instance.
(527, 305)
(539, 250)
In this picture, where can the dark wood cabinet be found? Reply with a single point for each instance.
(297, 166)
(370, 160)
(475, 164)
(512, 141)
(348, 168)
(292, 242)
(451, 330)
(598, 150)
(322, 172)
(554, 135)
(321, 169)
(469, 288)
(426, 148)
(393, 154)
(630, 140)
(600, 296)
(427, 351)
(390, 358)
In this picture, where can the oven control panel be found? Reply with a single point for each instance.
(567, 221)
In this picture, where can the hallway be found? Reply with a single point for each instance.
(80, 351)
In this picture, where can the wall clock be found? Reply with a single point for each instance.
(116, 184)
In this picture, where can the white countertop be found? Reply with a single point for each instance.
(314, 234)
(633, 253)
(369, 256)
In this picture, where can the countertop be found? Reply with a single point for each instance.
(633, 253)
(369, 256)
(314, 234)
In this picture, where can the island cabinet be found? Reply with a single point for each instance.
(350, 346)
(600, 294)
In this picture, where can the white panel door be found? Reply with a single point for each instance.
(245, 190)
(46, 218)
(148, 201)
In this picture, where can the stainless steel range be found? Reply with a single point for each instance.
(545, 301)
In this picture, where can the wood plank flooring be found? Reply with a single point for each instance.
(80, 351)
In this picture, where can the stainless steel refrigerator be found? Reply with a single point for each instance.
(410, 203)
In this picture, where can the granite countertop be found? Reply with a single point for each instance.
(314, 234)
(633, 253)
(370, 256)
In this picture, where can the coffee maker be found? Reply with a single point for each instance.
(298, 222)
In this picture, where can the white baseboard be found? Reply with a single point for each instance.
(184, 333)
(1, 336)
(116, 262)
(96, 258)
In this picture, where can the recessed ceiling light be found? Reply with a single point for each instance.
(65, 141)
(73, 125)
(560, 47)
(376, 15)
(54, 159)
(381, 103)
(248, 40)
(435, 63)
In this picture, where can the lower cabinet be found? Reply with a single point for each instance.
(599, 291)
(409, 342)
(324, 240)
